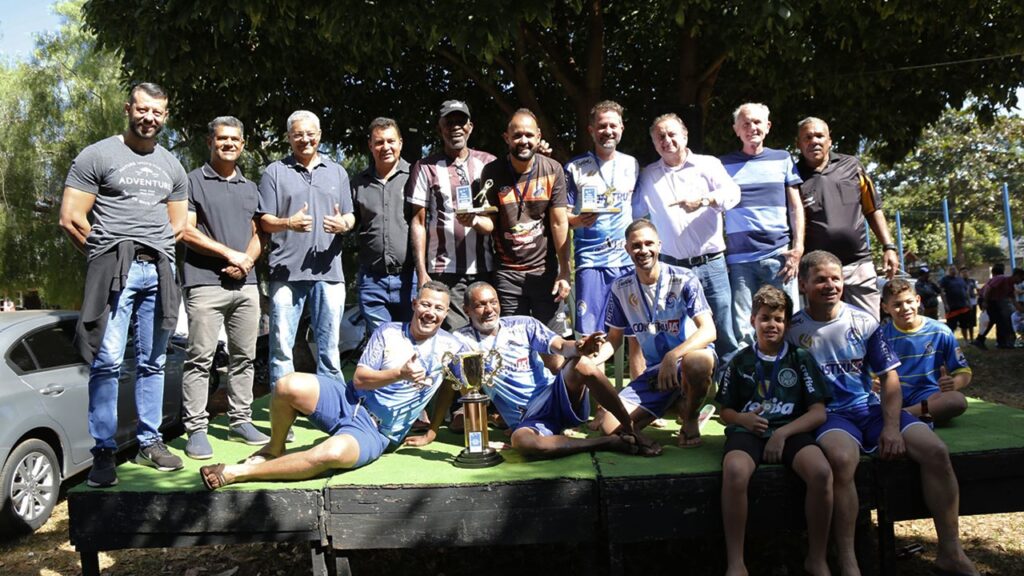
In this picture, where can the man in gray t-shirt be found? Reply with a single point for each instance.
(305, 206)
(124, 205)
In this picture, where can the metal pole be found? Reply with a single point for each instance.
(1009, 224)
(899, 240)
(867, 233)
(949, 237)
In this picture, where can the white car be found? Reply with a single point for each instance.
(44, 399)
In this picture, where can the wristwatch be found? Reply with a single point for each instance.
(889, 246)
(705, 201)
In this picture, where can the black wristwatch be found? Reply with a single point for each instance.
(889, 246)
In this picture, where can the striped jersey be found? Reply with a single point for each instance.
(922, 352)
(758, 227)
(451, 247)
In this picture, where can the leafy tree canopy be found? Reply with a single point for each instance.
(878, 70)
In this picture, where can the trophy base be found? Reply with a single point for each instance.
(611, 210)
(477, 210)
(485, 459)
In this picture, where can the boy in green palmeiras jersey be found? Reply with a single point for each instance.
(773, 398)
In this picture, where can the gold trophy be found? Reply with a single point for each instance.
(468, 203)
(468, 372)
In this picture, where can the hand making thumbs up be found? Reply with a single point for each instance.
(336, 223)
(945, 380)
(301, 221)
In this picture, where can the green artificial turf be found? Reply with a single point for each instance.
(985, 426)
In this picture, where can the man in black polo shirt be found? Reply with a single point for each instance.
(838, 195)
(386, 270)
(221, 246)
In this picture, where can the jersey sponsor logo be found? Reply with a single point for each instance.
(581, 307)
(523, 235)
(670, 326)
(522, 364)
(787, 378)
(770, 407)
(853, 367)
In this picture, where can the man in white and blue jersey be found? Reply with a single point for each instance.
(664, 308)
(398, 374)
(849, 347)
(933, 368)
(764, 233)
(542, 386)
(608, 177)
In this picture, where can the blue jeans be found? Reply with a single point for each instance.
(135, 305)
(746, 279)
(714, 278)
(385, 297)
(327, 305)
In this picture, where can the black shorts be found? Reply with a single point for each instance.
(754, 446)
(528, 294)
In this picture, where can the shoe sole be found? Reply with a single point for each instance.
(199, 456)
(92, 484)
(235, 438)
(143, 461)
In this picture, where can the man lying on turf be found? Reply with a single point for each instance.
(537, 405)
(932, 367)
(664, 308)
(398, 373)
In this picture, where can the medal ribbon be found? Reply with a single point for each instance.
(520, 196)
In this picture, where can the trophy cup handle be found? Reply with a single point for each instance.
(446, 360)
(494, 360)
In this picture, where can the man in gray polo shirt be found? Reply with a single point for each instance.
(220, 286)
(305, 206)
(387, 270)
(124, 206)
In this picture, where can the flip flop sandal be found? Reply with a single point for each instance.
(690, 440)
(213, 476)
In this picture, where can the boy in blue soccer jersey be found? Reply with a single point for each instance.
(664, 308)
(773, 399)
(543, 386)
(398, 374)
(932, 367)
(849, 347)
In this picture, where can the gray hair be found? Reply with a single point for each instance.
(756, 107)
(300, 115)
(815, 259)
(811, 120)
(665, 118)
(229, 121)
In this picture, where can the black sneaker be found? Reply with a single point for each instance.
(104, 469)
(158, 456)
(979, 343)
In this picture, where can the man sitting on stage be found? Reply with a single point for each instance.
(664, 307)
(398, 373)
(849, 347)
(537, 406)
(932, 367)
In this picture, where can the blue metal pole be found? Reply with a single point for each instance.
(899, 240)
(949, 237)
(1009, 224)
(867, 233)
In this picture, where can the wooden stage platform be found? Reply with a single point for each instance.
(415, 498)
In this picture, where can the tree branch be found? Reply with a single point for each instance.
(486, 85)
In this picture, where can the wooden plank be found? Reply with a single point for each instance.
(475, 515)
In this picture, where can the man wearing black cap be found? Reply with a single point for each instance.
(447, 251)
(929, 293)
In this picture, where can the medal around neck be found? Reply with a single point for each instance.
(468, 372)
(468, 203)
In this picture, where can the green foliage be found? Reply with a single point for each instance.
(965, 159)
(866, 67)
(64, 98)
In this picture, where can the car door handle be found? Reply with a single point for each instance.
(53, 390)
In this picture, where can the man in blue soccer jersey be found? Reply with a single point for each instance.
(601, 180)
(543, 384)
(397, 375)
(664, 308)
(932, 368)
(849, 347)
(764, 233)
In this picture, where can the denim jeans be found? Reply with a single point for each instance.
(746, 279)
(714, 278)
(327, 305)
(385, 297)
(135, 305)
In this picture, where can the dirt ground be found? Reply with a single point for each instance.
(995, 542)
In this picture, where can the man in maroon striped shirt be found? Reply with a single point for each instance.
(447, 251)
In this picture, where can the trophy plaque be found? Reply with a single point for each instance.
(594, 202)
(469, 372)
(466, 202)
